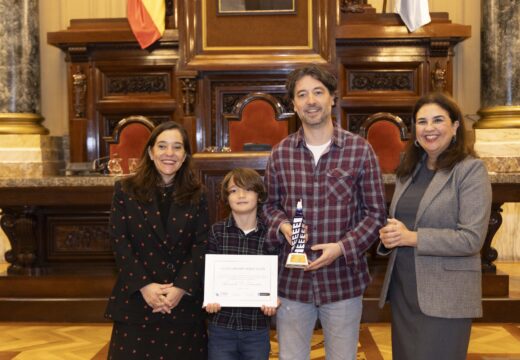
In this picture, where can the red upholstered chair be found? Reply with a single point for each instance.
(387, 134)
(258, 118)
(129, 138)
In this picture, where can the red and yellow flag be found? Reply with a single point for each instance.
(146, 18)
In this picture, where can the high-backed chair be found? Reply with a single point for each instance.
(387, 133)
(129, 138)
(258, 119)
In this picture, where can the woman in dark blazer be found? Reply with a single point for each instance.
(159, 227)
(438, 221)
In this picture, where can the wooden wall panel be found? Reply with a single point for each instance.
(257, 32)
(211, 42)
(220, 92)
(110, 77)
(381, 68)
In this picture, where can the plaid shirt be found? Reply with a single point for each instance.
(343, 201)
(226, 238)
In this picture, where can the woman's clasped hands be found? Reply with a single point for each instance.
(162, 297)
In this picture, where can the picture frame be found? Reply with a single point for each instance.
(256, 7)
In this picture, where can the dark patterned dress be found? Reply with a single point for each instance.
(157, 242)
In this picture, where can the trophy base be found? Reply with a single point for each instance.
(297, 261)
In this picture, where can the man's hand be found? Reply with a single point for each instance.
(330, 252)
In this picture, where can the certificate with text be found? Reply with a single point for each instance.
(241, 280)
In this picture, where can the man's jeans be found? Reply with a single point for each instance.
(295, 322)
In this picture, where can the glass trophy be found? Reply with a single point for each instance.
(297, 257)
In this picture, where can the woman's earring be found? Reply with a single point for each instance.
(416, 143)
(454, 139)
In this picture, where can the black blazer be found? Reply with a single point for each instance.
(145, 252)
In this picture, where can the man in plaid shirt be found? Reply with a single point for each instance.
(337, 175)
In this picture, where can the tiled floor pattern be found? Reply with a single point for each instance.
(89, 342)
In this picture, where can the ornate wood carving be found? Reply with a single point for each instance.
(381, 80)
(355, 6)
(19, 224)
(488, 253)
(356, 120)
(440, 48)
(438, 77)
(230, 100)
(189, 94)
(79, 86)
(169, 7)
(78, 238)
(137, 84)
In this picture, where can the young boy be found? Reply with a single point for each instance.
(240, 333)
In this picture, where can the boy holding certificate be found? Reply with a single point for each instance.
(240, 333)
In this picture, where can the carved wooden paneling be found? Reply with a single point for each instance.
(77, 235)
(136, 84)
(124, 80)
(221, 92)
(380, 80)
(354, 120)
(393, 79)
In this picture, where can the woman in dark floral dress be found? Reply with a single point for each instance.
(159, 227)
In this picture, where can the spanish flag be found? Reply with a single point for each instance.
(146, 18)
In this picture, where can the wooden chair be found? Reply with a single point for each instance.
(387, 133)
(129, 138)
(258, 119)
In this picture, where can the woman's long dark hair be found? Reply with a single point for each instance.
(143, 184)
(457, 150)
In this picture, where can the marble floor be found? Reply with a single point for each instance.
(53, 341)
